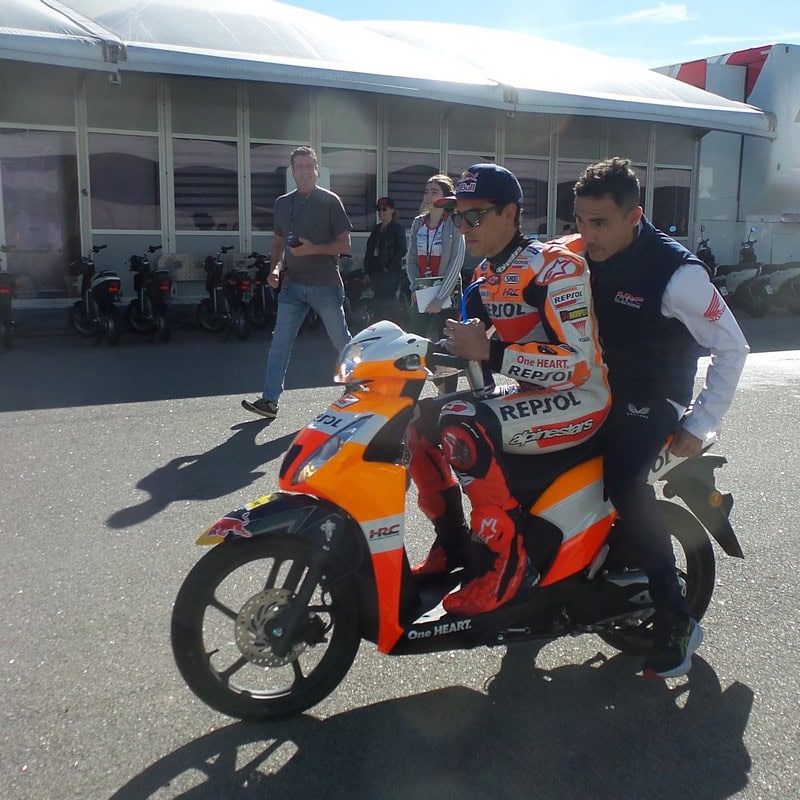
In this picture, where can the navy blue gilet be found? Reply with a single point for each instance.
(644, 349)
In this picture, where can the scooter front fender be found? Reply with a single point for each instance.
(319, 521)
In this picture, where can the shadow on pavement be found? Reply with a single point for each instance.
(589, 730)
(226, 468)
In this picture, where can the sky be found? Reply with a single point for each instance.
(649, 33)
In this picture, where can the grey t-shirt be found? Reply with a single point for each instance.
(319, 217)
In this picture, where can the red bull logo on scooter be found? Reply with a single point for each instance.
(231, 525)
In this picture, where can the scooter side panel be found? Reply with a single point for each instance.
(575, 504)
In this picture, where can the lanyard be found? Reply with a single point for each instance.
(430, 245)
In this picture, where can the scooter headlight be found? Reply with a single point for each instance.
(327, 450)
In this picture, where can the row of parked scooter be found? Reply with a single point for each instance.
(236, 300)
(750, 284)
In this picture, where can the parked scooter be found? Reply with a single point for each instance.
(148, 312)
(8, 288)
(96, 313)
(704, 252)
(735, 282)
(228, 295)
(269, 621)
(263, 306)
(784, 284)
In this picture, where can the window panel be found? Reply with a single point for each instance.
(124, 179)
(132, 105)
(205, 107)
(348, 117)
(39, 181)
(471, 128)
(31, 94)
(413, 123)
(354, 178)
(579, 137)
(528, 135)
(206, 193)
(279, 111)
(675, 145)
(532, 176)
(268, 167)
(671, 201)
(629, 139)
(408, 174)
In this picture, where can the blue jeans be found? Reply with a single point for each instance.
(294, 300)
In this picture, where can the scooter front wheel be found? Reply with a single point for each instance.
(228, 617)
(80, 321)
(208, 319)
(694, 557)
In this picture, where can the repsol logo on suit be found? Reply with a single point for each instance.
(533, 406)
(504, 310)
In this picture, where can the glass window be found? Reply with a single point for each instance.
(568, 173)
(268, 167)
(532, 176)
(280, 111)
(413, 123)
(39, 181)
(354, 178)
(206, 188)
(629, 139)
(205, 107)
(37, 95)
(458, 162)
(671, 201)
(579, 137)
(528, 135)
(471, 128)
(124, 179)
(131, 105)
(348, 117)
(408, 174)
(675, 145)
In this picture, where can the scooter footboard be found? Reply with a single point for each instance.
(311, 518)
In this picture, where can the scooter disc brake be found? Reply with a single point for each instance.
(255, 632)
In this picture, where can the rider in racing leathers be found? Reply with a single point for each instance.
(537, 298)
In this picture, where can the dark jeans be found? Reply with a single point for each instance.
(636, 429)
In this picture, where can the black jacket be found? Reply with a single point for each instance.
(385, 249)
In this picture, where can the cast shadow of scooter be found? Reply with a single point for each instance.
(586, 730)
(228, 467)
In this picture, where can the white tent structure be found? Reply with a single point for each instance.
(272, 41)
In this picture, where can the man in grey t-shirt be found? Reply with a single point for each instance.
(311, 229)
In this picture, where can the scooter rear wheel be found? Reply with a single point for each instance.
(694, 558)
(226, 620)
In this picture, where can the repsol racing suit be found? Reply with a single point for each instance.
(537, 298)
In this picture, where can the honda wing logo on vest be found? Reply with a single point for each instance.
(641, 413)
(628, 299)
(716, 308)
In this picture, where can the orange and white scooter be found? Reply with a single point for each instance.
(269, 621)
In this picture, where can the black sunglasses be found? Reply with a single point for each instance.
(471, 217)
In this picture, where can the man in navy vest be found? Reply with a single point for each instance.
(657, 311)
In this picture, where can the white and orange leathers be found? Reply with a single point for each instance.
(539, 303)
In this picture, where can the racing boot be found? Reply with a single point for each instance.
(499, 532)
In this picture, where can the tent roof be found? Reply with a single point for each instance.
(272, 41)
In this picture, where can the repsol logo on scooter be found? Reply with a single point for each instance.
(441, 630)
(328, 419)
(382, 533)
(538, 405)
